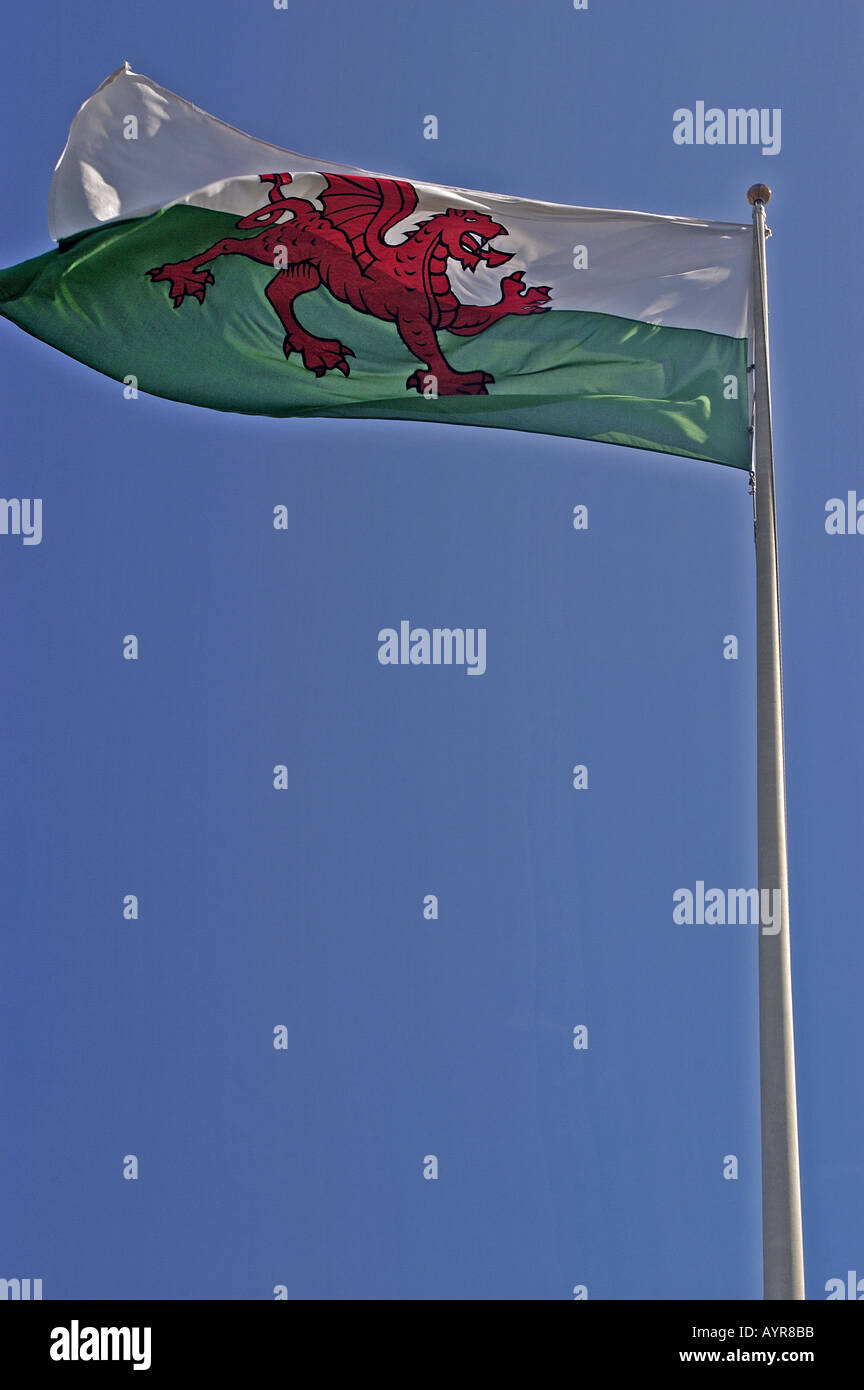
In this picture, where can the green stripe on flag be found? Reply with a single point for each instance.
(585, 375)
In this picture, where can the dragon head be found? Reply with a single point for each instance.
(466, 235)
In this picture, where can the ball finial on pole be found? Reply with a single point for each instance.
(759, 193)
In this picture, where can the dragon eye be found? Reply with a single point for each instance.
(470, 219)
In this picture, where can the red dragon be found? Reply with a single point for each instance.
(345, 249)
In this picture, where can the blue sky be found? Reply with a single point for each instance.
(304, 1167)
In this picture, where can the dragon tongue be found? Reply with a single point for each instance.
(494, 258)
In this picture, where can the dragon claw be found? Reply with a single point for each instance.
(183, 282)
(451, 384)
(519, 298)
(320, 355)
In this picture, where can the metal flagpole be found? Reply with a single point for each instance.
(782, 1245)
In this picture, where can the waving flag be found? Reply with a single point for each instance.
(221, 271)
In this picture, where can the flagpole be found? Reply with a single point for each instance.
(782, 1244)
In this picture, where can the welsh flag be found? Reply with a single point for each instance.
(224, 272)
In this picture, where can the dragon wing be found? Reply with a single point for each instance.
(365, 209)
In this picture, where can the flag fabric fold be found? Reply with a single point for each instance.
(221, 271)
